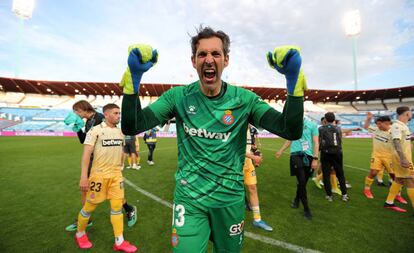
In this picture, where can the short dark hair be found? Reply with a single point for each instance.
(206, 33)
(402, 109)
(83, 105)
(383, 119)
(330, 117)
(109, 107)
(322, 119)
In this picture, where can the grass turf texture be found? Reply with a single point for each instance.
(39, 195)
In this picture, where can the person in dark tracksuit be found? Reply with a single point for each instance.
(303, 160)
(330, 139)
(150, 138)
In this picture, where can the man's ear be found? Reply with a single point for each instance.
(226, 60)
(193, 61)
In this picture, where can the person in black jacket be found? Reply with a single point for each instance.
(330, 139)
(93, 118)
(150, 138)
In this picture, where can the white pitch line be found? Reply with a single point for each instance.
(278, 243)
(357, 168)
(265, 239)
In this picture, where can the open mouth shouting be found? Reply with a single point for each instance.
(209, 75)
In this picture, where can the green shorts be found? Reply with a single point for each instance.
(194, 225)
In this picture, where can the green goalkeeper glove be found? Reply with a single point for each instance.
(140, 59)
(287, 61)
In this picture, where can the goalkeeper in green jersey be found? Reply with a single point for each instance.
(212, 118)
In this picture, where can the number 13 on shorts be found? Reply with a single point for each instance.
(178, 218)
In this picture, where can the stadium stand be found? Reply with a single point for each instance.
(4, 123)
(31, 105)
(340, 107)
(30, 126)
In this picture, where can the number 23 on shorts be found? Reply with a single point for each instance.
(96, 192)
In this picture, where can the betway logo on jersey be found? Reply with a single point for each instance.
(203, 133)
(111, 142)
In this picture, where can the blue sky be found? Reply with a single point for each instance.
(87, 40)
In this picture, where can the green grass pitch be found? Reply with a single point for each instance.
(39, 197)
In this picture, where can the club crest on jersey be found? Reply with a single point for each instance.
(174, 238)
(228, 119)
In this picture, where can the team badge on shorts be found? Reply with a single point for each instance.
(174, 238)
(227, 119)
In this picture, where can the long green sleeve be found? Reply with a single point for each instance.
(289, 123)
(135, 119)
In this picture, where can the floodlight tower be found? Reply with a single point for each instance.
(352, 21)
(23, 10)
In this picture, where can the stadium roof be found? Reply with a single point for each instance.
(150, 89)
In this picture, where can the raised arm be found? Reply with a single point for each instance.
(136, 119)
(288, 124)
(368, 120)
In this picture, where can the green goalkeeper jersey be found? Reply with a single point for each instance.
(211, 137)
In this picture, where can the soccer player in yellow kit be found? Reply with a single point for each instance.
(402, 159)
(250, 180)
(105, 141)
(381, 149)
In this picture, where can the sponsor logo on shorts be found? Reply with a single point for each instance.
(174, 238)
(228, 119)
(112, 142)
(236, 229)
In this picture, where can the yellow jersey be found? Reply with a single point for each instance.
(381, 142)
(107, 153)
(400, 131)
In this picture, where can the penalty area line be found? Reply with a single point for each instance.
(257, 237)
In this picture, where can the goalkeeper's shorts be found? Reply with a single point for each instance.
(194, 225)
